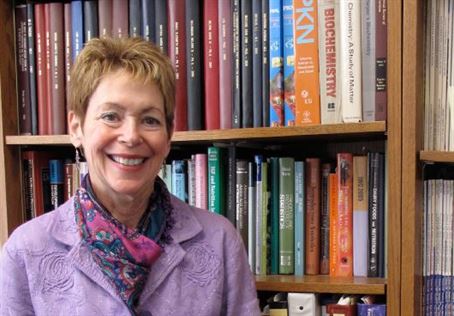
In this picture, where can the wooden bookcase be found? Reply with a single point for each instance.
(390, 133)
(413, 156)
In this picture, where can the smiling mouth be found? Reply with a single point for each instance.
(127, 161)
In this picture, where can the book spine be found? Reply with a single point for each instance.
(41, 73)
(215, 181)
(177, 53)
(57, 69)
(56, 182)
(265, 63)
(345, 214)
(257, 61)
(299, 223)
(194, 65)
(179, 179)
(91, 24)
(68, 180)
(211, 66)
(258, 159)
(265, 245)
(381, 215)
(333, 223)
(48, 115)
(350, 57)
(23, 84)
(236, 63)
(77, 26)
(246, 64)
(274, 218)
(252, 187)
(191, 180)
(286, 213)
(368, 59)
(147, 18)
(312, 181)
(324, 220)
(242, 223)
(307, 104)
(120, 18)
(27, 193)
(32, 67)
(67, 50)
(289, 63)
(161, 22)
(135, 18)
(372, 270)
(276, 65)
(201, 181)
(225, 63)
(381, 57)
(105, 18)
(231, 185)
(328, 24)
(360, 216)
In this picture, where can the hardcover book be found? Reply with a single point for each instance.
(286, 215)
(312, 186)
(289, 63)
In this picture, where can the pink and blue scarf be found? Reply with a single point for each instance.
(124, 254)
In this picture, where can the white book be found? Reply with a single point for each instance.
(450, 92)
(432, 82)
(368, 58)
(427, 78)
(350, 39)
(303, 304)
(191, 180)
(329, 56)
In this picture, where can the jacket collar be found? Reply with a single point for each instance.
(64, 229)
(185, 227)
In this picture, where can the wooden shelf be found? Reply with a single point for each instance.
(321, 284)
(241, 134)
(436, 156)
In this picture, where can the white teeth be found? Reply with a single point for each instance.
(127, 162)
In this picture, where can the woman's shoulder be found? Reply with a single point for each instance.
(39, 232)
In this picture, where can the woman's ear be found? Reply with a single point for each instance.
(75, 129)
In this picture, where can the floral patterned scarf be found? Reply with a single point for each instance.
(124, 254)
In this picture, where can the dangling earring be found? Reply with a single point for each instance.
(77, 158)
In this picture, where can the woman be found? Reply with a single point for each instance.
(123, 245)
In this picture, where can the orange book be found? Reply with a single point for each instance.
(345, 214)
(333, 247)
(307, 85)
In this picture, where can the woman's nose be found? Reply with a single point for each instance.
(130, 133)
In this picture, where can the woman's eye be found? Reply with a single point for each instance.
(151, 121)
(110, 117)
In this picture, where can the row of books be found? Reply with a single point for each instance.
(439, 76)
(295, 216)
(239, 63)
(293, 304)
(48, 181)
(438, 268)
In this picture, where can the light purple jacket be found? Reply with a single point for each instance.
(46, 270)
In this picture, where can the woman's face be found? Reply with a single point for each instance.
(124, 136)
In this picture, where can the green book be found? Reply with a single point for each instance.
(286, 213)
(216, 191)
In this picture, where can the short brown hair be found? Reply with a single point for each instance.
(141, 59)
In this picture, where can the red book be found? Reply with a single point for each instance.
(225, 62)
(39, 161)
(312, 186)
(68, 52)
(120, 18)
(41, 68)
(211, 64)
(177, 53)
(56, 79)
